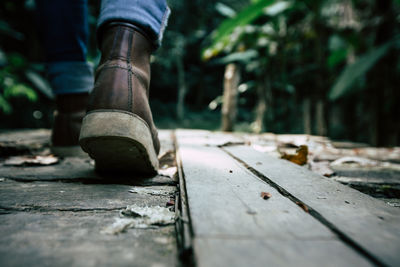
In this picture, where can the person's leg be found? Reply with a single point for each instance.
(149, 16)
(118, 130)
(63, 26)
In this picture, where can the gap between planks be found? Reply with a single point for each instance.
(202, 232)
(378, 240)
(183, 228)
(310, 211)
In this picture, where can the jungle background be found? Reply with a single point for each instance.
(323, 67)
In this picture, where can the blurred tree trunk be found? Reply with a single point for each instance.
(307, 115)
(264, 95)
(230, 95)
(260, 109)
(182, 88)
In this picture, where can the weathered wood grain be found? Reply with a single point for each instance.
(75, 196)
(14, 142)
(77, 170)
(56, 215)
(76, 239)
(273, 252)
(207, 138)
(370, 223)
(225, 206)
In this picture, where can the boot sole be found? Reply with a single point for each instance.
(118, 141)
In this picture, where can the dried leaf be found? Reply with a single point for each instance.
(300, 158)
(266, 195)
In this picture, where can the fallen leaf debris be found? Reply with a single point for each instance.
(266, 195)
(151, 191)
(168, 172)
(300, 158)
(135, 216)
(31, 161)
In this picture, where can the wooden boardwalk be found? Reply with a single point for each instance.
(309, 220)
(64, 214)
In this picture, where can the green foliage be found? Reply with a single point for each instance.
(243, 57)
(301, 47)
(11, 85)
(20, 90)
(4, 105)
(352, 72)
(295, 50)
(220, 37)
(225, 10)
(12, 88)
(277, 8)
(20, 78)
(39, 82)
(16, 61)
(337, 57)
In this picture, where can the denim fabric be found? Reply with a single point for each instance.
(149, 15)
(63, 27)
(70, 77)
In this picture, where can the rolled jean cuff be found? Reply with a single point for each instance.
(70, 77)
(151, 16)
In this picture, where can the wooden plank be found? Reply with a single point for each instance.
(75, 239)
(225, 206)
(42, 196)
(370, 223)
(22, 141)
(50, 223)
(207, 138)
(273, 252)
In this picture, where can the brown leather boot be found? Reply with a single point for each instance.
(67, 124)
(118, 130)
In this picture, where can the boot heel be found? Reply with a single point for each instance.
(118, 141)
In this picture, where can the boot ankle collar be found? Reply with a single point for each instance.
(126, 24)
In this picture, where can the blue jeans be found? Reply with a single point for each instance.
(63, 25)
